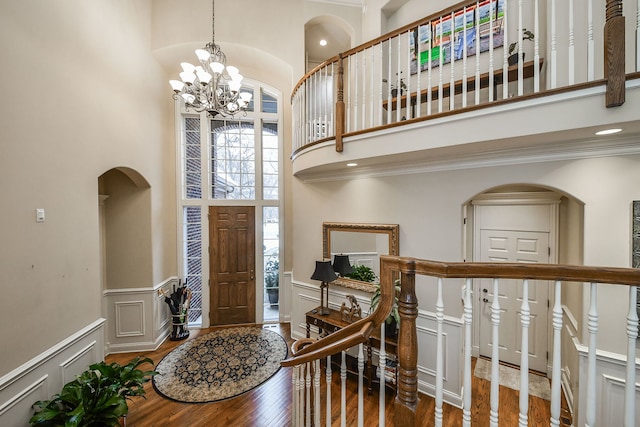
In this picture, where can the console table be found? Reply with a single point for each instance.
(333, 321)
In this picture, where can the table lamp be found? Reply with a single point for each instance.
(341, 265)
(324, 272)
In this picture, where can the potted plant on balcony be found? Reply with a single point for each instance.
(271, 280)
(513, 47)
(395, 91)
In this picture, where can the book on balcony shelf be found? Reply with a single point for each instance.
(389, 371)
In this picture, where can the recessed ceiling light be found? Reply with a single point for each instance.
(323, 42)
(608, 131)
(352, 164)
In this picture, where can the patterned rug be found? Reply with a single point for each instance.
(220, 365)
(510, 377)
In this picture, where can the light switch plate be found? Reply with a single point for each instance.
(39, 215)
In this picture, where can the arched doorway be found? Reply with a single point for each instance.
(520, 223)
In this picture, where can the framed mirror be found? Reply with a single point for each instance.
(363, 243)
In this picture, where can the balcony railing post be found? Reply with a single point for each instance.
(340, 115)
(614, 45)
(407, 394)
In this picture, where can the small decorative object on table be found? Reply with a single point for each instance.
(348, 314)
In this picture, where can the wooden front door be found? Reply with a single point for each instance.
(232, 265)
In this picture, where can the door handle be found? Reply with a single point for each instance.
(251, 275)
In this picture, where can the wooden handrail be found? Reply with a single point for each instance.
(353, 334)
(476, 270)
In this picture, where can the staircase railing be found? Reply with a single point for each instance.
(463, 275)
(466, 57)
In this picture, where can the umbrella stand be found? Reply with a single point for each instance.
(178, 303)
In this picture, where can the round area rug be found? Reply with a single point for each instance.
(220, 365)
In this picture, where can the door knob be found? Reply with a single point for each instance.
(485, 290)
(485, 300)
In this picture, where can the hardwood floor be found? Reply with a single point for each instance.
(270, 404)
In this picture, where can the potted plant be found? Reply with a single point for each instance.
(513, 54)
(393, 321)
(362, 273)
(97, 397)
(395, 90)
(272, 280)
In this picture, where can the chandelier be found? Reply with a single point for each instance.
(213, 86)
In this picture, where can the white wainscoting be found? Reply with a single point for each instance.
(307, 297)
(45, 374)
(138, 319)
(610, 383)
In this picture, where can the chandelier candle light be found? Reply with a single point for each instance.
(212, 86)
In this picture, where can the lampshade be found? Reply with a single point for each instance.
(324, 272)
(341, 264)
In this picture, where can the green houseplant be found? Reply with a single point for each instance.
(393, 321)
(272, 280)
(362, 273)
(513, 54)
(97, 397)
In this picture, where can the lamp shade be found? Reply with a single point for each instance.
(324, 272)
(341, 265)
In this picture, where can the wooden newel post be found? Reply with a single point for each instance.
(340, 117)
(407, 395)
(614, 68)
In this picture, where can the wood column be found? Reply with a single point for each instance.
(407, 394)
(340, 115)
(614, 60)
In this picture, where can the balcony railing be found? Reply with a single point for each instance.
(308, 402)
(460, 59)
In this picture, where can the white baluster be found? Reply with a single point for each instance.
(464, 58)
(466, 391)
(382, 364)
(360, 385)
(343, 397)
(307, 391)
(441, 72)
(452, 77)
(381, 83)
(398, 77)
(419, 77)
(572, 54)
(491, 71)
(591, 42)
(554, 49)
(439, 355)
(505, 61)
(364, 90)
(632, 335)
(347, 95)
(495, 356)
(429, 75)
(520, 51)
(389, 100)
(557, 353)
(328, 375)
(316, 393)
(294, 386)
(536, 49)
(300, 390)
(408, 103)
(638, 36)
(372, 104)
(356, 87)
(525, 320)
(592, 324)
(477, 80)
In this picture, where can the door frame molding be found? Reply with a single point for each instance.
(549, 198)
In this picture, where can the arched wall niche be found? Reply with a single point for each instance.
(125, 229)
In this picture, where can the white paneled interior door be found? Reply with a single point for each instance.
(515, 246)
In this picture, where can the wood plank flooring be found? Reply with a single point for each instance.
(270, 404)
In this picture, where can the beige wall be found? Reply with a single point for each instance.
(83, 95)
